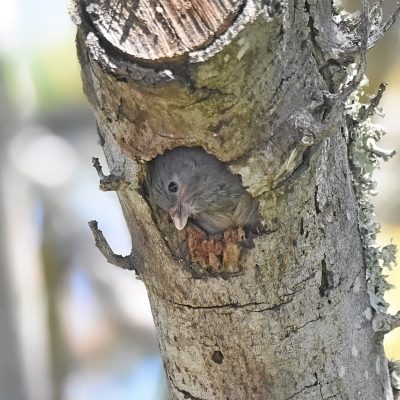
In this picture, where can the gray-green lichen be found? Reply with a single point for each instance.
(365, 157)
(394, 371)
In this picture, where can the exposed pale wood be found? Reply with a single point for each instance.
(160, 30)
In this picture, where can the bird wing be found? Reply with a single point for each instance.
(245, 213)
(216, 221)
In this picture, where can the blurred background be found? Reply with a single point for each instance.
(73, 327)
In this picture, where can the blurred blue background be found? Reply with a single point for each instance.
(73, 327)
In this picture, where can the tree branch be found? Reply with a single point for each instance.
(316, 131)
(366, 112)
(124, 262)
(385, 323)
(385, 27)
(112, 182)
(365, 24)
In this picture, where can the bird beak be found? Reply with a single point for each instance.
(180, 215)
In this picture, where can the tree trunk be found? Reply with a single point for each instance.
(262, 86)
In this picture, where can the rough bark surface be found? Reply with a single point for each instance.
(265, 95)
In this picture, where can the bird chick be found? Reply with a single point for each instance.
(189, 183)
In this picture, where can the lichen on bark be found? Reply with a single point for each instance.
(366, 157)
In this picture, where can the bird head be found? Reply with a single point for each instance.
(186, 182)
(171, 178)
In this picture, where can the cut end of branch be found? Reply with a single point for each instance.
(139, 30)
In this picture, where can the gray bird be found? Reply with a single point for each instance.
(188, 183)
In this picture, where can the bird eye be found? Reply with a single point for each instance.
(173, 187)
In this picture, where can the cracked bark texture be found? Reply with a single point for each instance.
(258, 84)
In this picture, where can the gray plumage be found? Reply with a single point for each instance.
(189, 183)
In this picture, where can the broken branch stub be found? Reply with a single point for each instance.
(124, 262)
(163, 30)
(112, 182)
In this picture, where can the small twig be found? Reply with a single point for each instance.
(384, 28)
(336, 101)
(365, 24)
(367, 111)
(394, 373)
(97, 166)
(125, 262)
(384, 323)
(375, 149)
(110, 182)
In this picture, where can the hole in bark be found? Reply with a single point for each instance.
(302, 226)
(342, 133)
(207, 243)
(317, 209)
(326, 280)
(217, 357)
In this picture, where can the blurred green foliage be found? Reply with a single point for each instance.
(56, 76)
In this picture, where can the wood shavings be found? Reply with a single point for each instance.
(216, 253)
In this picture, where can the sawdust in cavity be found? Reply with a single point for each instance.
(217, 253)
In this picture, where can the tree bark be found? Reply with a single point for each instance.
(262, 85)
